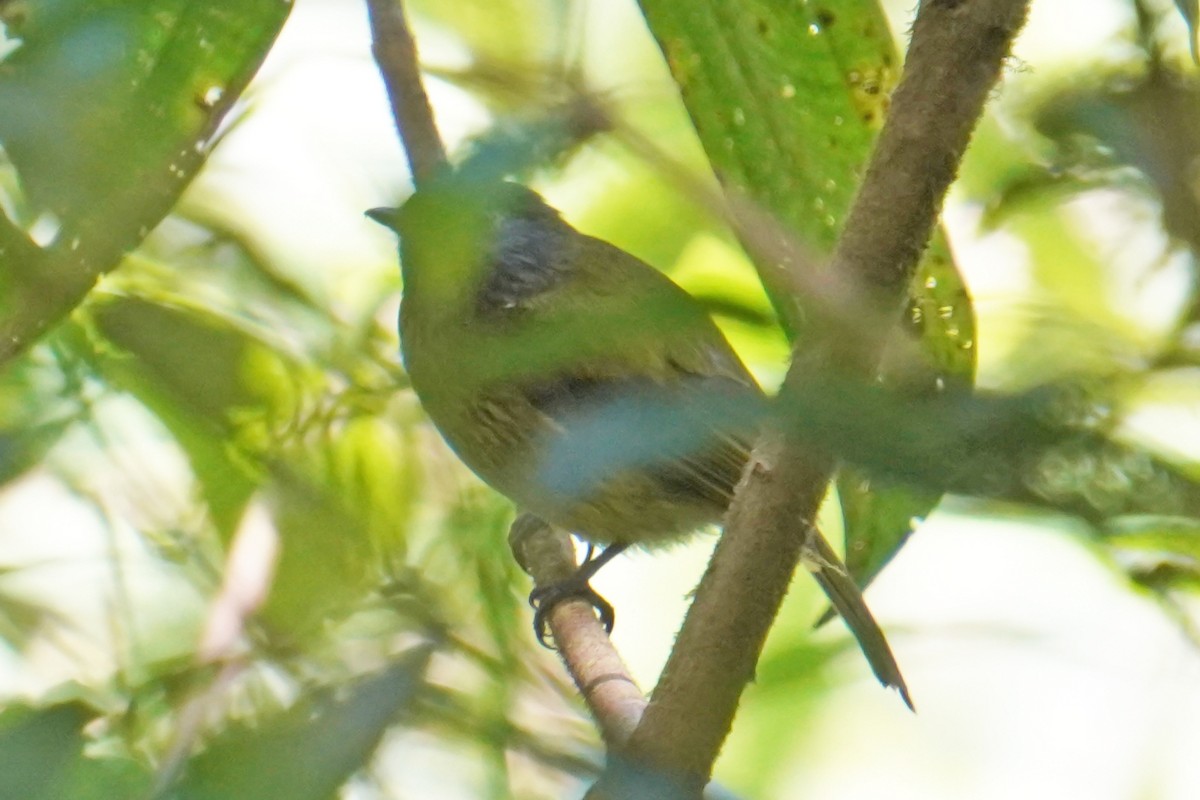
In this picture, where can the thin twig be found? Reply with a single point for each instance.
(595, 666)
(957, 51)
(396, 54)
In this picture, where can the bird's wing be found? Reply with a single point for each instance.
(688, 433)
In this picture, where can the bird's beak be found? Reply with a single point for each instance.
(384, 215)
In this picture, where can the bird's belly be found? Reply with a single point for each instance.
(630, 508)
(506, 442)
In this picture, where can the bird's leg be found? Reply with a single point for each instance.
(544, 598)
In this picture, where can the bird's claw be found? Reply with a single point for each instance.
(544, 598)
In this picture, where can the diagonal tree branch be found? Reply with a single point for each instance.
(396, 54)
(604, 682)
(956, 54)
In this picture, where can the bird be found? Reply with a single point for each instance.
(581, 382)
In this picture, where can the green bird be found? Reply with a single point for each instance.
(581, 382)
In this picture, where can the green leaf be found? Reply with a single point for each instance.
(1160, 553)
(39, 401)
(307, 752)
(110, 109)
(878, 519)
(36, 748)
(42, 758)
(196, 373)
(196, 358)
(787, 100)
(494, 30)
(878, 516)
(326, 565)
(105, 97)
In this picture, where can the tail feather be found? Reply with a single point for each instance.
(848, 600)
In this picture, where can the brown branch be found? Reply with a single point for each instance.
(396, 55)
(957, 50)
(613, 697)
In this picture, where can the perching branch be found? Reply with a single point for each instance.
(396, 54)
(611, 694)
(955, 57)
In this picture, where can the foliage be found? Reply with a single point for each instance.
(204, 392)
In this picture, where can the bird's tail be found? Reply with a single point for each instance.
(847, 599)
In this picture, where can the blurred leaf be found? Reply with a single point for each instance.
(42, 758)
(547, 138)
(204, 261)
(1150, 122)
(1049, 446)
(1161, 554)
(1156, 534)
(495, 30)
(231, 401)
(197, 359)
(787, 102)
(1086, 331)
(23, 447)
(327, 563)
(309, 751)
(37, 747)
(660, 428)
(1166, 572)
(110, 110)
(39, 401)
(1190, 11)
(479, 532)
(373, 464)
(23, 619)
(1042, 447)
(102, 95)
(1098, 479)
(200, 377)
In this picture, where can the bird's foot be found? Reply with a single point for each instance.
(544, 598)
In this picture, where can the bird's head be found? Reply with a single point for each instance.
(461, 239)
